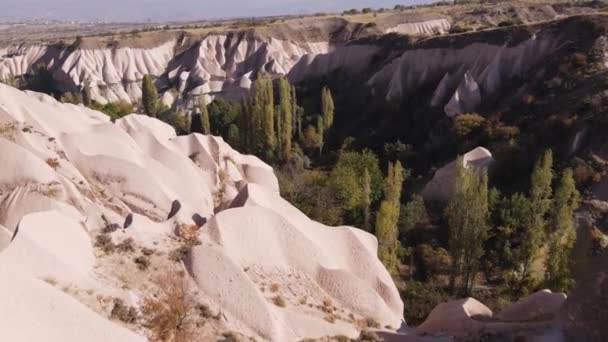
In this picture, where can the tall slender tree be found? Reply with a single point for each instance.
(327, 108)
(540, 204)
(149, 96)
(86, 94)
(294, 111)
(286, 111)
(320, 132)
(562, 234)
(204, 115)
(367, 199)
(467, 216)
(388, 217)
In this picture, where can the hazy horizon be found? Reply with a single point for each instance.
(163, 10)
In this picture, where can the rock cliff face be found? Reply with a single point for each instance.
(462, 70)
(71, 180)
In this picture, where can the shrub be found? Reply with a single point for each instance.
(171, 314)
(419, 299)
(110, 228)
(104, 242)
(432, 261)
(369, 336)
(142, 263)
(413, 214)
(188, 233)
(147, 251)
(53, 163)
(279, 301)
(123, 312)
(178, 254)
(465, 124)
(583, 173)
(125, 246)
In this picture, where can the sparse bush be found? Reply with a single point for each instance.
(171, 314)
(188, 233)
(142, 262)
(51, 281)
(432, 261)
(73, 98)
(274, 287)
(419, 299)
(465, 124)
(125, 246)
(583, 173)
(122, 312)
(114, 110)
(104, 242)
(178, 254)
(110, 228)
(147, 251)
(232, 337)
(351, 12)
(279, 301)
(369, 336)
(53, 163)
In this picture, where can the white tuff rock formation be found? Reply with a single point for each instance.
(68, 174)
(440, 188)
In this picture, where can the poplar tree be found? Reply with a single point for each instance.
(265, 101)
(367, 199)
(540, 204)
(467, 216)
(388, 217)
(86, 94)
(294, 111)
(286, 113)
(204, 115)
(562, 234)
(327, 107)
(320, 132)
(149, 96)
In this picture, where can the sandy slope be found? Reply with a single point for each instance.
(68, 172)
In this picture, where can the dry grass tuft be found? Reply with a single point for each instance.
(279, 301)
(172, 314)
(53, 162)
(188, 233)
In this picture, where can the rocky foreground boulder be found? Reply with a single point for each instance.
(72, 269)
(542, 305)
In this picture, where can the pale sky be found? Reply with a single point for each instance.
(161, 10)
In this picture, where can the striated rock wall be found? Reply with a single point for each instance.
(462, 70)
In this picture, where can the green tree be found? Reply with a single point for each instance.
(388, 217)
(204, 115)
(367, 199)
(286, 114)
(347, 179)
(200, 120)
(321, 133)
(465, 124)
(467, 216)
(149, 96)
(86, 94)
(233, 136)
(540, 204)
(413, 214)
(562, 235)
(327, 108)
